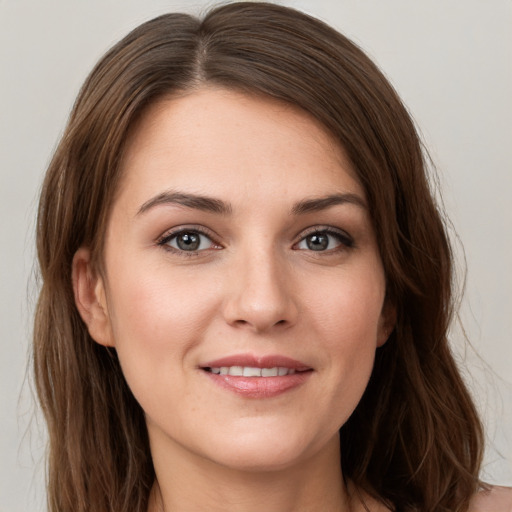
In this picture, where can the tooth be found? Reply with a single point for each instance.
(252, 372)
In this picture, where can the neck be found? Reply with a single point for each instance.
(187, 483)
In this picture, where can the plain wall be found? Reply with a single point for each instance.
(449, 60)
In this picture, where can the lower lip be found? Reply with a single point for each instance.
(259, 387)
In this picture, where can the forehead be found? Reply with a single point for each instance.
(224, 143)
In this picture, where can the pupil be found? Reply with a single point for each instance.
(317, 242)
(188, 241)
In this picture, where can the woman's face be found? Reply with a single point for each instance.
(242, 286)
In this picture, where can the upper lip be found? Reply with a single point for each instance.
(250, 360)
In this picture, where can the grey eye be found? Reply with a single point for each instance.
(324, 241)
(190, 241)
(317, 242)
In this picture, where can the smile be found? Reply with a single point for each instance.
(252, 377)
(251, 371)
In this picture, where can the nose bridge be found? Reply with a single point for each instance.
(260, 291)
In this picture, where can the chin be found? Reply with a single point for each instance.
(268, 451)
(258, 460)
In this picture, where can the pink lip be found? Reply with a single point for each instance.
(270, 361)
(259, 387)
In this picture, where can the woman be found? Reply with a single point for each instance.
(247, 284)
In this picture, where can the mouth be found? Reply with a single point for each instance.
(252, 371)
(257, 377)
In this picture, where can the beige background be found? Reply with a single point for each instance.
(449, 60)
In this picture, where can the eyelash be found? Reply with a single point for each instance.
(165, 239)
(345, 240)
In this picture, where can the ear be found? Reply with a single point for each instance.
(387, 322)
(90, 298)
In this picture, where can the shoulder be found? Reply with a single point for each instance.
(493, 499)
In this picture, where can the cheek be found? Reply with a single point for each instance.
(349, 308)
(157, 319)
(156, 305)
(347, 320)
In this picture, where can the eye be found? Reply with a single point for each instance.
(187, 240)
(323, 240)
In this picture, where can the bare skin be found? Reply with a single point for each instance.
(224, 489)
(284, 267)
(240, 233)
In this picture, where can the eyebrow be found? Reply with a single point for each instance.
(197, 202)
(316, 204)
(213, 205)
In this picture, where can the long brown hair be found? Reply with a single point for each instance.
(414, 441)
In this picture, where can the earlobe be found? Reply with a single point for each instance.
(90, 298)
(387, 322)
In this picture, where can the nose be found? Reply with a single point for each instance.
(260, 293)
